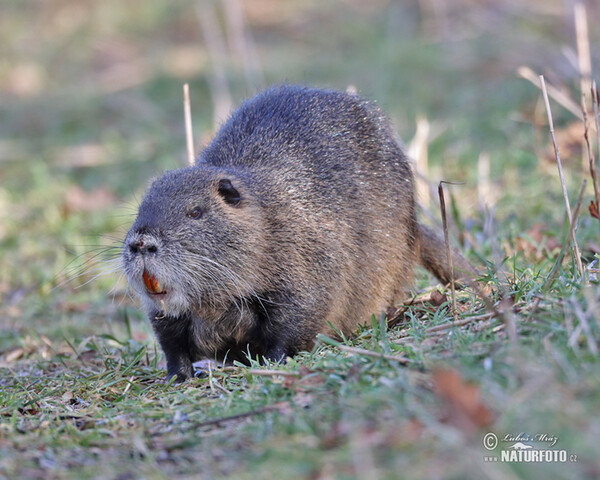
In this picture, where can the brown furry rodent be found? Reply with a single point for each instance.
(299, 214)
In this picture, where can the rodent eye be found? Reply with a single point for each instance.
(195, 213)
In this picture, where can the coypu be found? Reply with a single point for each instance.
(299, 214)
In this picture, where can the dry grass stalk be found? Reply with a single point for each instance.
(504, 309)
(595, 101)
(162, 314)
(271, 373)
(214, 384)
(241, 42)
(459, 323)
(590, 151)
(369, 353)
(232, 418)
(584, 327)
(448, 252)
(485, 195)
(215, 45)
(585, 77)
(570, 235)
(418, 151)
(439, 329)
(584, 58)
(217, 386)
(189, 133)
(592, 295)
(576, 253)
(557, 95)
(596, 112)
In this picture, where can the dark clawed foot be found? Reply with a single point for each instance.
(181, 375)
(179, 378)
(276, 355)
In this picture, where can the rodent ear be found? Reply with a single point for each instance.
(229, 192)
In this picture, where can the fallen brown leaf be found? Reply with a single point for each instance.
(536, 243)
(14, 354)
(28, 411)
(593, 208)
(431, 300)
(463, 406)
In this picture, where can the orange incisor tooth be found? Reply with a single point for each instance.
(151, 283)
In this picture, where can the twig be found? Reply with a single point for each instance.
(504, 310)
(595, 101)
(369, 353)
(446, 326)
(214, 384)
(219, 387)
(485, 195)
(584, 58)
(271, 373)
(584, 61)
(534, 306)
(448, 252)
(189, 133)
(562, 178)
(570, 234)
(418, 152)
(129, 383)
(241, 42)
(595, 109)
(558, 96)
(459, 323)
(218, 421)
(590, 150)
(217, 52)
(589, 336)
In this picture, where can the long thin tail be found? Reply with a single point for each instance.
(433, 257)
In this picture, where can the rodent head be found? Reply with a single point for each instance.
(196, 244)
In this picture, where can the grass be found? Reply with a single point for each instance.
(80, 386)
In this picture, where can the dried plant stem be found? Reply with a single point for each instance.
(241, 42)
(583, 49)
(584, 326)
(485, 196)
(562, 178)
(418, 151)
(503, 309)
(557, 95)
(590, 150)
(271, 373)
(189, 133)
(584, 60)
(231, 418)
(217, 52)
(595, 109)
(459, 323)
(369, 353)
(448, 251)
(568, 238)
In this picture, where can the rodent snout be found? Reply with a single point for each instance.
(143, 246)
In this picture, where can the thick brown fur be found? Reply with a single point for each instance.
(299, 216)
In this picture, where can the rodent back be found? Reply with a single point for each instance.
(334, 145)
(330, 173)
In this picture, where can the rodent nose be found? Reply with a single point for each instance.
(143, 246)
